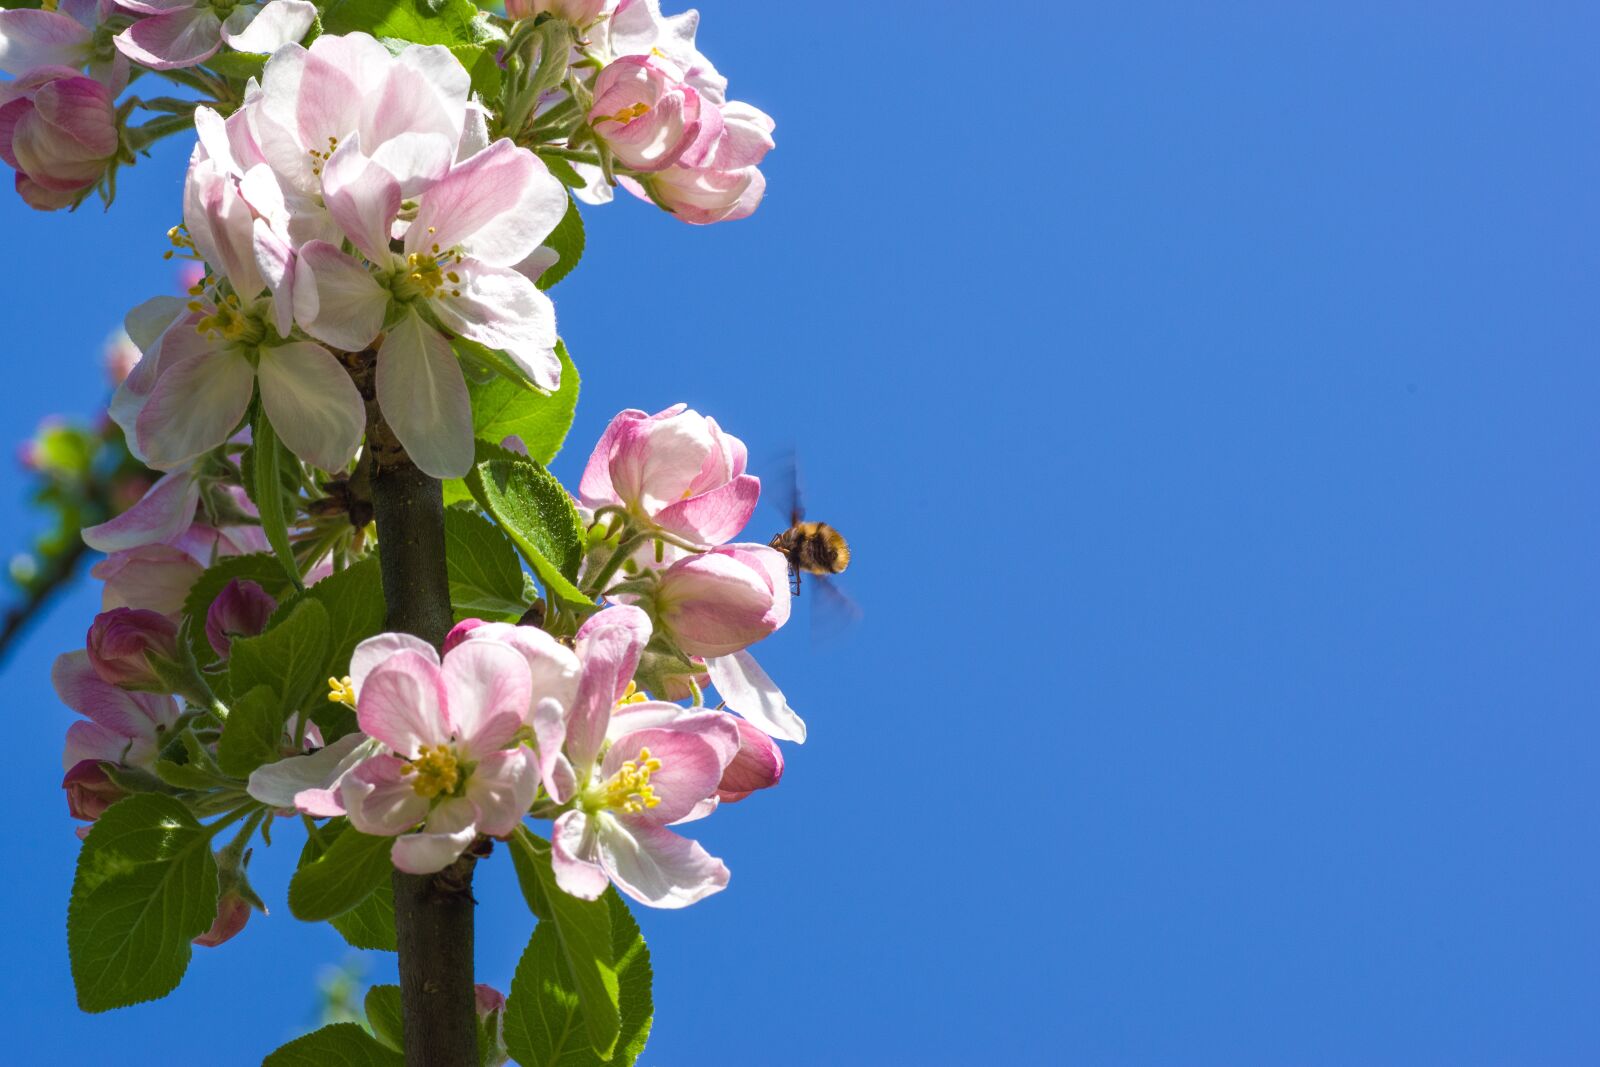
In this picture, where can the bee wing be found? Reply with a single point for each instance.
(783, 487)
(833, 611)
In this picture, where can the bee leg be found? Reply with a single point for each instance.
(794, 580)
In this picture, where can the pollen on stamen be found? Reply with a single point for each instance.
(342, 691)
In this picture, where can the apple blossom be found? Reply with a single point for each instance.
(723, 600)
(638, 28)
(183, 33)
(456, 268)
(646, 115)
(233, 911)
(757, 765)
(121, 642)
(59, 131)
(64, 37)
(122, 727)
(240, 610)
(446, 769)
(676, 470)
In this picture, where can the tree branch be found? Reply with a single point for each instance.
(433, 914)
(20, 615)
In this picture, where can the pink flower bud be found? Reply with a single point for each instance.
(577, 12)
(716, 179)
(676, 469)
(153, 577)
(757, 765)
(121, 642)
(488, 999)
(491, 1004)
(724, 600)
(645, 113)
(58, 129)
(240, 610)
(458, 633)
(233, 911)
(89, 790)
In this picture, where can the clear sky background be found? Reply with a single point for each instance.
(1211, 402)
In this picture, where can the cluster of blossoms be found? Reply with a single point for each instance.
(372, 226)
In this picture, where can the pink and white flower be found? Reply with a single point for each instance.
(59, 131)
(451, 767)
(122, 641)
(456, 270)
(638, 28)
(183, 33)
(124, 728)
(155, 577)
(32, 38)
(676, 470)
(647, 115)
(724, 600)
(718, 178)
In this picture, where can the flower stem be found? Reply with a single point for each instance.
(433, 914)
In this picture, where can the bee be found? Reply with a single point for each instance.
(813, 548)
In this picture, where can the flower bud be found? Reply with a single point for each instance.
(121, 642)
(90, 791)
(240, 610)
(458, 633)
(645, 113)
(491, 1007)
(675, 469)
(153, 577)
(233, 911)
(724, 600)
(58, 129)
(577, 12)
(757, 765)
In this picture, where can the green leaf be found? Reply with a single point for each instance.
(485, 577)
(567, 241)
(537, 514)
(353, 600)
(541, 420)
(481, 68)
(564, 171)
(448, 23)
(290, 657)
(545, 1024)
(253, 734)
(243, 65)
(385, 1017)
(146, 886)
(268, 481)
(583, 933)
(257, 567)
(330, 883)
(338, 1045)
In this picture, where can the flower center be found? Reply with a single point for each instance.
(627, 114)
(228, 320)
(429, 274)
(437, 770)
(320, 159)
(633, 696)
(629, 789)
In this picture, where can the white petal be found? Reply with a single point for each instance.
(194, 407)
(750, 692)
(281, 22)
(336, 299)
(424, 398)
(276, 783)
(312, 403)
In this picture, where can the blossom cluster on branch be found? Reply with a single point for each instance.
(380, 195)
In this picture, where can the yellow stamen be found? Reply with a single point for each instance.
(627, 114)
(633, 696)
(342, 691)
(437, 771)
(629, 789)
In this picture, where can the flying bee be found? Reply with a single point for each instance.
(814, 548)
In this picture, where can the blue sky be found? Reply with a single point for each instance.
(1209, 400)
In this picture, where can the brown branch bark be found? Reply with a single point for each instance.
(433, 914)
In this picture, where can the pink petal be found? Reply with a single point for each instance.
(758, 765)
(501, 309)
(195, 406)
(336, 299)
(312, 403)
(595, 487)
(179, 38)
(279, 23)
(166, 509)
(497, 206)
(608, 645)
(375, 651)
(655, 866)
(380, 799)
(487, 688)
(424, 397)
(448, 832)
(715, 517)
(402, 703)
(363, 199)
(30, 39)
(575, 856)
(692, 762)
(502, 787)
